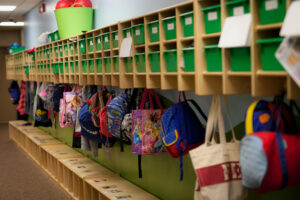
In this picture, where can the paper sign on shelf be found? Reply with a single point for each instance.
(236, 32)
(271, 4)
(154, 30)
(212, 16)
(290, 25)
(126, 47)
(288, 54)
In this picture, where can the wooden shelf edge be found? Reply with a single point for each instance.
(271, 73)
(211, 35)
(268, 27)
(231, 73)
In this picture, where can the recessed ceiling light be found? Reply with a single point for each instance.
(11, 23)
(7, 8)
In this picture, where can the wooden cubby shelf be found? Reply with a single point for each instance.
(95, 55)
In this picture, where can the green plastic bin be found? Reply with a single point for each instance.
(170, 27)
(213, 55)
(66, 49)
(90, 44)
(26, 69)
(107, 64)
(212, 19)
(171, 60)
(187, 22)
(138, 34)
(51, 37)
(56, 50)
(61, 52)
(153, 28)
(106, 40)
(98, 42)
(72, 67)
(99, 65)
(240, 59)
(56, 36)
(238, 7)
(189, 59)
(116, 63)
(115, 38)
(77, 66)
(140, 62)
(71, 47)
(82, 45)
(66, 67)
(268, 48)
(127, 32)
(271, 11)
(61, 67)
(84, 65)
(154, 58)
(129, 66)
(55, 69)
(91, 65)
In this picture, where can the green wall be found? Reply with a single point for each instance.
(161, 171)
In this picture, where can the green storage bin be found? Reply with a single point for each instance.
(127, 32)
(115, 38)
(98, 42)
(268, 48)
(116, 63)
(76, 48)
(66, 49)
(171, 60)
(82, 45)
(26, 69)
(48, 68)
(77, 66)
(56, 50)
(187, 22)
(72, 67)
(106, 40)
(55, 69)
(213, 55)
(170, 27)
(129, 66)
(153, 28)
(107, 64)
(51, 37)
(212, 19)
(61, 67)
(47, 53)
(240, 59)
(138, 34)
(90, 44)
(154, 58)
(271, 11)
(91, 65)
(56, 36)
(60, 48)
(99, 65)
(71, 47)
(189, 59)
(140, 62)
(67, 67)
(238, 7)
(84, 65)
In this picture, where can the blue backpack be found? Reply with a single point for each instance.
(15, 92)
(115, 112)
(183, 130)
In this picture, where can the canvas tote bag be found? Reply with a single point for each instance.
(217, 164)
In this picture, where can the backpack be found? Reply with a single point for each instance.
(115, 111)
(49, 103)
(103, 121)
(57, 95)
(182, 129)
(42, 117)
(14, 92)
(258, 118)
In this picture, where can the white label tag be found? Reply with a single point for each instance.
(56, 37)
(128, 34)
(99, 41)
(154, 30)
(60, 49)
(137, 32)
(188, 20)
(212, 16)
(116, 37)
(171, 26)
(72, 47)
(271, 5)
(91, 42)
(238, 11)
(106, 39)
(81, 45)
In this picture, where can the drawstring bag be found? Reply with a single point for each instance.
(217, 164)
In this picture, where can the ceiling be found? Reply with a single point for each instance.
(23, 6)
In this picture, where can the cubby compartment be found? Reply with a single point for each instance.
(271, 11)
(127, 32)
(91, 65)
(55, 68)
(82, 45)
(106, 40)
(116, 64)
(238, 7)
(140, 62)
(268, 48)
(99, 64)
(212, 19)
(115, 38)
(72, 67)
(98, 39)
(71, 47)
(60, 49)
(138, 34)
(90, 41)
(170, 57)
(107, 64)
(153, 29)
(61, 67)
(67, 67)
(213, 56)
(169, 24)
(189, 59)
(84, 65)
(154, 58)
(240, 59)
(187, 22)
(128, 64)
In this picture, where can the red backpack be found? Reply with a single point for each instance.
(103, 120)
